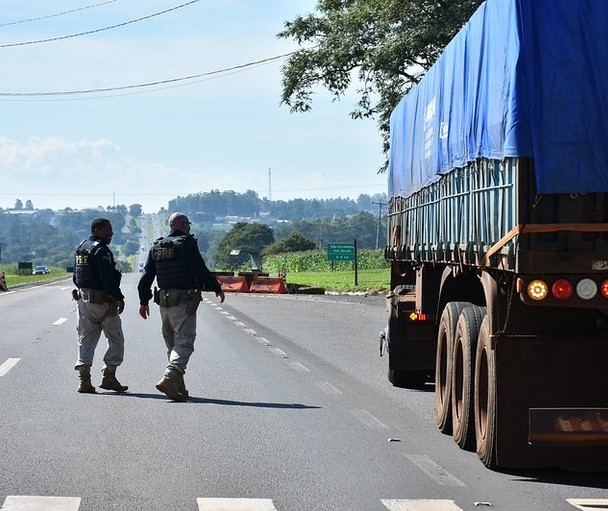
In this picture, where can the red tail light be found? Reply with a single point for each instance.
(562, 289)
(604, 289)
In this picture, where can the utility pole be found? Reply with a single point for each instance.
(379, 204)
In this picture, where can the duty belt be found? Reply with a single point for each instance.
(173, 297)
(95, 296)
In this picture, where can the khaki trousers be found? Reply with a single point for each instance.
(179, 332)
(93, 319)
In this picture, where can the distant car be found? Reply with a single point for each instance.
(40, 270)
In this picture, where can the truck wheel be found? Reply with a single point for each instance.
(485, 397)
(463, 368)
(443, 364)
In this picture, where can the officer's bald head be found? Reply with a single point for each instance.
(177, 220)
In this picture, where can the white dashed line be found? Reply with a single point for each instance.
(298, 367)
(327, 387)
(240, 323)
(8, 365)
(435, 471)
(60, 321)
(369, 420)
(263, 340)
(250, 331)
(278, 351)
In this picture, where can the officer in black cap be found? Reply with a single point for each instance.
(100, 303)
(181, 273)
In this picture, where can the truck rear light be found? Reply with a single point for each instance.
(562, 289)
(604, 289)
(538, 290)
(586, 289)
(414, 316)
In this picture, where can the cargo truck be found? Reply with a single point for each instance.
(498, 235)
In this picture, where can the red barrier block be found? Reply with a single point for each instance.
(267, 285)
(233, 284)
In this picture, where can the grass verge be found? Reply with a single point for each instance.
(368, 281)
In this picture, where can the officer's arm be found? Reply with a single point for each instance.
(107, 274)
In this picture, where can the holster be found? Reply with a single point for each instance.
(156, 296)
(173, 297)
(76, 294)
(194, 298)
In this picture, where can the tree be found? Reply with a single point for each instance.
(250, 239)
(135, 210)
(389, 43)
(29, 205)
(19, 204)
(295, 242)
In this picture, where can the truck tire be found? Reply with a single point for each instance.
(463, 369)
(443, 364)
(485, 397)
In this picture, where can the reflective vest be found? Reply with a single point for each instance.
(172, 268)
(84, 269)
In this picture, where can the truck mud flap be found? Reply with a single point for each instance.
(551, 402)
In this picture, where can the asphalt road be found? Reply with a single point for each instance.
(290, 411)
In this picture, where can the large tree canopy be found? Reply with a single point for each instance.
(386, 44)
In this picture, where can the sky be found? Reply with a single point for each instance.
(147, 145)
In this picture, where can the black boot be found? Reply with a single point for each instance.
(182, 386)
(109, 381)
(170, 385)
(85, 387)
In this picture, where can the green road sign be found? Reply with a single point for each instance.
(340, 252)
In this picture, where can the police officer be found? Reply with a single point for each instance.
(181, 273)
(100, 302)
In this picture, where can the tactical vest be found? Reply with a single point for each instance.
(84, 270)
(172, 269)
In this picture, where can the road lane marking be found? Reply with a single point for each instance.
(60, 321)
(231, 318)
(327, 387)
(278, 351)
(250, 331)
(435, 471)
(589, 504)
(263, 340)
(235, 505)
(8, 365)
(239, 323)
(26, 503)
(369, 420)
(420, 505)
(298, 367)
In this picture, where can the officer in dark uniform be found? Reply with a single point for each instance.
(100, 302)
(181, 273)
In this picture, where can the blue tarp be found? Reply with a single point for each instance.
(523, 78)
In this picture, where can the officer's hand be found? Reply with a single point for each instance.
(221, 295)
(121, 306)
(144, 311)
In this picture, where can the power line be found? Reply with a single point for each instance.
(88, 32)
(56, 14)
(148, 84)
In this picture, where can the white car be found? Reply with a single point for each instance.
(40, 270)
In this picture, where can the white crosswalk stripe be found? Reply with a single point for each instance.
(235, 505)
(8, 365)
(40, 503)
(420, 505)
(26, 503)
(589, 504)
